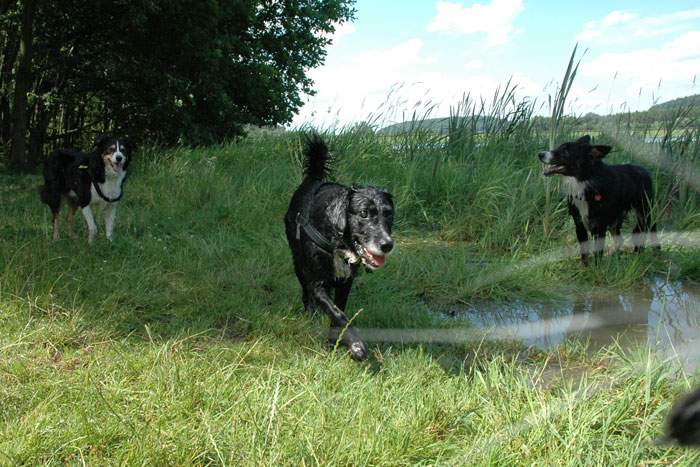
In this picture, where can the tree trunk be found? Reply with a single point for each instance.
(9, 55)
(68, 125)
(23, 82)
(37, 135)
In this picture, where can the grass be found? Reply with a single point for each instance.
(184, 342)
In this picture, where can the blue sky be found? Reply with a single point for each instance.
(435, 51)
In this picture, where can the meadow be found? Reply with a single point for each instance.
(185, 341)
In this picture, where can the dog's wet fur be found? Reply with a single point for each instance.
(600, 196)
(683, 421)
(356, 222)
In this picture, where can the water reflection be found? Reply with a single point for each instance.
(664, 316)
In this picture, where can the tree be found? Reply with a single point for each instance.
(172, 71)
(23, 82)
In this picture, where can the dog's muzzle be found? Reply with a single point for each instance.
(371, 260)
(550, 168)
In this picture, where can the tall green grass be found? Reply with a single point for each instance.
(184, 341)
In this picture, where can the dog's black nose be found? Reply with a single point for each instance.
(387, 247)
(541, 155)
(120, 158)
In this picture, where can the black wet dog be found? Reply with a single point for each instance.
(600, 195)
(331, 230)
(683, 423)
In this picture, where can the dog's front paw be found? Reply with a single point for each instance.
(358, 351)
(349, 339)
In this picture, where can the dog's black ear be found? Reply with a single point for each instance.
(101, 143)
(126, 142)
(389, 197)
(600, 150)
(584, 139)
(96, 166)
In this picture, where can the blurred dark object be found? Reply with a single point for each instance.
(683, 423)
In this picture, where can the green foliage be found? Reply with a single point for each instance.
(687, 101)
(557, 105)
(171, 71)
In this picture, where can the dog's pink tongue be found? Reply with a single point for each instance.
(377, 260)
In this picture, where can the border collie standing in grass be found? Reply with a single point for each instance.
(83, 181)
(600, 195)
(331, 230)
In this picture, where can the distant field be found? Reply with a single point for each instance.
(185, 341)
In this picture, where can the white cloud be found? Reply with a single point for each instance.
(629, 26)
(675, 61)
(636, 79)
(404, 54)
(393, 82)
(342, 30)
(494, 19)
(349, 88)
(473, 65)
(618, 17)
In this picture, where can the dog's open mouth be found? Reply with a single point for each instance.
(552, 169)
(117, 167)
(369, 259)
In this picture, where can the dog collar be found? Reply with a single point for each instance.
(106, 198)
(312, 232)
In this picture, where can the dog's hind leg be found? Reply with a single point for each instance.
(306, 292)
(617, 235)
(340, 331)
(69, 220)
(56, 222)
(306, 300)
(53, 200)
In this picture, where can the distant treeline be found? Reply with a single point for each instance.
(170, 71)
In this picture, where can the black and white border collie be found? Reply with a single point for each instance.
(332, 229)
(600, 195)
(84, 181)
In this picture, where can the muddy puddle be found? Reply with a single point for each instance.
(660, 315)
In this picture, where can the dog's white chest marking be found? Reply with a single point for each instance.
(342, 261)
(111, 188)
(576, 191)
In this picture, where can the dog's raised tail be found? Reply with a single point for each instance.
(318, 160)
